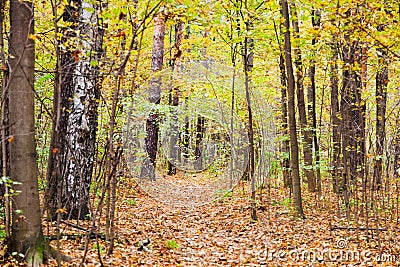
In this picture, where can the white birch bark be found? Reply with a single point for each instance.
(82, 122)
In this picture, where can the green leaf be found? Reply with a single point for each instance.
(94, 63)
(171, 244)
(90, 9)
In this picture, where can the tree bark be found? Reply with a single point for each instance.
(397, 151)
(285, 147)
(76, 97)
(346, 124)
(335, 121)
(152, 127)
(352, 116)
(311, 95)
(200, 129)
(63, 92)
(307, 134)
(248, 65)
(294, 149)
(382, 78)
(174, 100)
(27, 237)
(285, 144)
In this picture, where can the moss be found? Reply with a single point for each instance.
(35, 257)
(50, 253)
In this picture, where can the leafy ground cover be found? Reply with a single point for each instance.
(150, 233)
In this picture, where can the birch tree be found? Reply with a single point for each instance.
(76, 98)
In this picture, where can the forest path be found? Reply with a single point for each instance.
(222, 234)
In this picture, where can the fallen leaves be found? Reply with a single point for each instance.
(222, 234)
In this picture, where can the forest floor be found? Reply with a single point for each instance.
(222, 234)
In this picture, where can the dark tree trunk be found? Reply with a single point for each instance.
(63, 92)
(285, 144)
(346, 122)
(174, 137)
(361, 82)
(174, 101)
(200, 129)
(248, 65)
(352, 116)
(304, 127)
(335, 121)
(285, 147)
(382, 78)
(294, 148)
(397, 150)
(311, 93)
(152, 127)
(27, 237)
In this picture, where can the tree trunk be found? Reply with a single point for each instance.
(174, 100)
(382, 78)
(307, 134)
(311, 95)
(346, 125)
(185, 140)
(335, 121)
(76, 99)
(27, 237)
(63, 92)
(200, 129)
(361, 81)
(285, 145)
(397, 151)
(294, 149)
(352, 116)
(174, 137)
(248, 65)
(152, 127)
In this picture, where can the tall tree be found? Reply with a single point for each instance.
(352, 111)
(382, 78)
(335, 114)
(285, 145)
(347, 98)
(248, 53)
(152, 127)
(397, 150)
(304, 127)
(294, 147)
(76, 97)
(311, 95)
(174, 99)
(27, 237)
